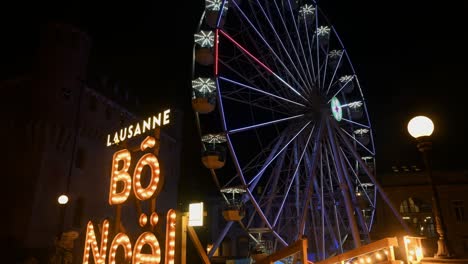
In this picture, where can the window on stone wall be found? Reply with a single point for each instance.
(428, 228)
(459, 210)
(465, 243)
(410, 206)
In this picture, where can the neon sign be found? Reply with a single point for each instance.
(121, 185)
(139, 128)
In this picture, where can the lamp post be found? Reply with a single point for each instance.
(62, 201)
(421, 128)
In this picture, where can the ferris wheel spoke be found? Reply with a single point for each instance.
(279, 41)
(314, 78)
(262, 64)
(260, 91)
(356, 177)
(309, 68)
(357, 141)
(221, 11)
(272, 109)
(271, 187)
(339, 91)
(272, 51)
(325, 66)
(355, 123)
(272, 155)
(237, 130)
(317, 49)
(282, 149)
(334, 73)
(296, 53)
(294, 175)
(243, 77)
(309, 181)
(332, 194)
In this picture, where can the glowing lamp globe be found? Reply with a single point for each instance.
(62, 199)
(420, 126)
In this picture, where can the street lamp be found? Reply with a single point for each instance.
(62, 201)
(421, 128)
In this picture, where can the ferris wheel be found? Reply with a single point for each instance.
(284, 125)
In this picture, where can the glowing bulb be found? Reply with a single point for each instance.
(378, 255)
(420, 126)
(62, 199)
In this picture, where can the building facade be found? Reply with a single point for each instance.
(412, 196)
(56, 126)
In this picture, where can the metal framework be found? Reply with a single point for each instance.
(297, 129)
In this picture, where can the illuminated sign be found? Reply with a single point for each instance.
(146, 248)
(139, 128)
(195, 214)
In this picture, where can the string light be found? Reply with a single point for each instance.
(170, 236)
(120, 239)
(91, 243)
(147, 238)
(121, 175)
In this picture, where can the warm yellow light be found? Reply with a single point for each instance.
(99, 254)
(122, 240)
(62, 199)
(147, 238)
(419, 253)
(170, 236)
(420, 126)
(378, 256)
(121, 175)
(407, 240)
(143, 220)
(144, 193)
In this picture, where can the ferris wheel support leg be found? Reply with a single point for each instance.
(309, 184)
(220, 239)
(353, 198)
(374, 181)
(344, 187)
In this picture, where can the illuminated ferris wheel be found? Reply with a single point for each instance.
(284, 125)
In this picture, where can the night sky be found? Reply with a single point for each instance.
(410, 59)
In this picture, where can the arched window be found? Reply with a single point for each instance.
(410, 205)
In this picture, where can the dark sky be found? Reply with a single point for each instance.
(410, 59)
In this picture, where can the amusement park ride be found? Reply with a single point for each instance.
(286, 133)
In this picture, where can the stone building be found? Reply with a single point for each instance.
(408, 189)
(55, 126)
